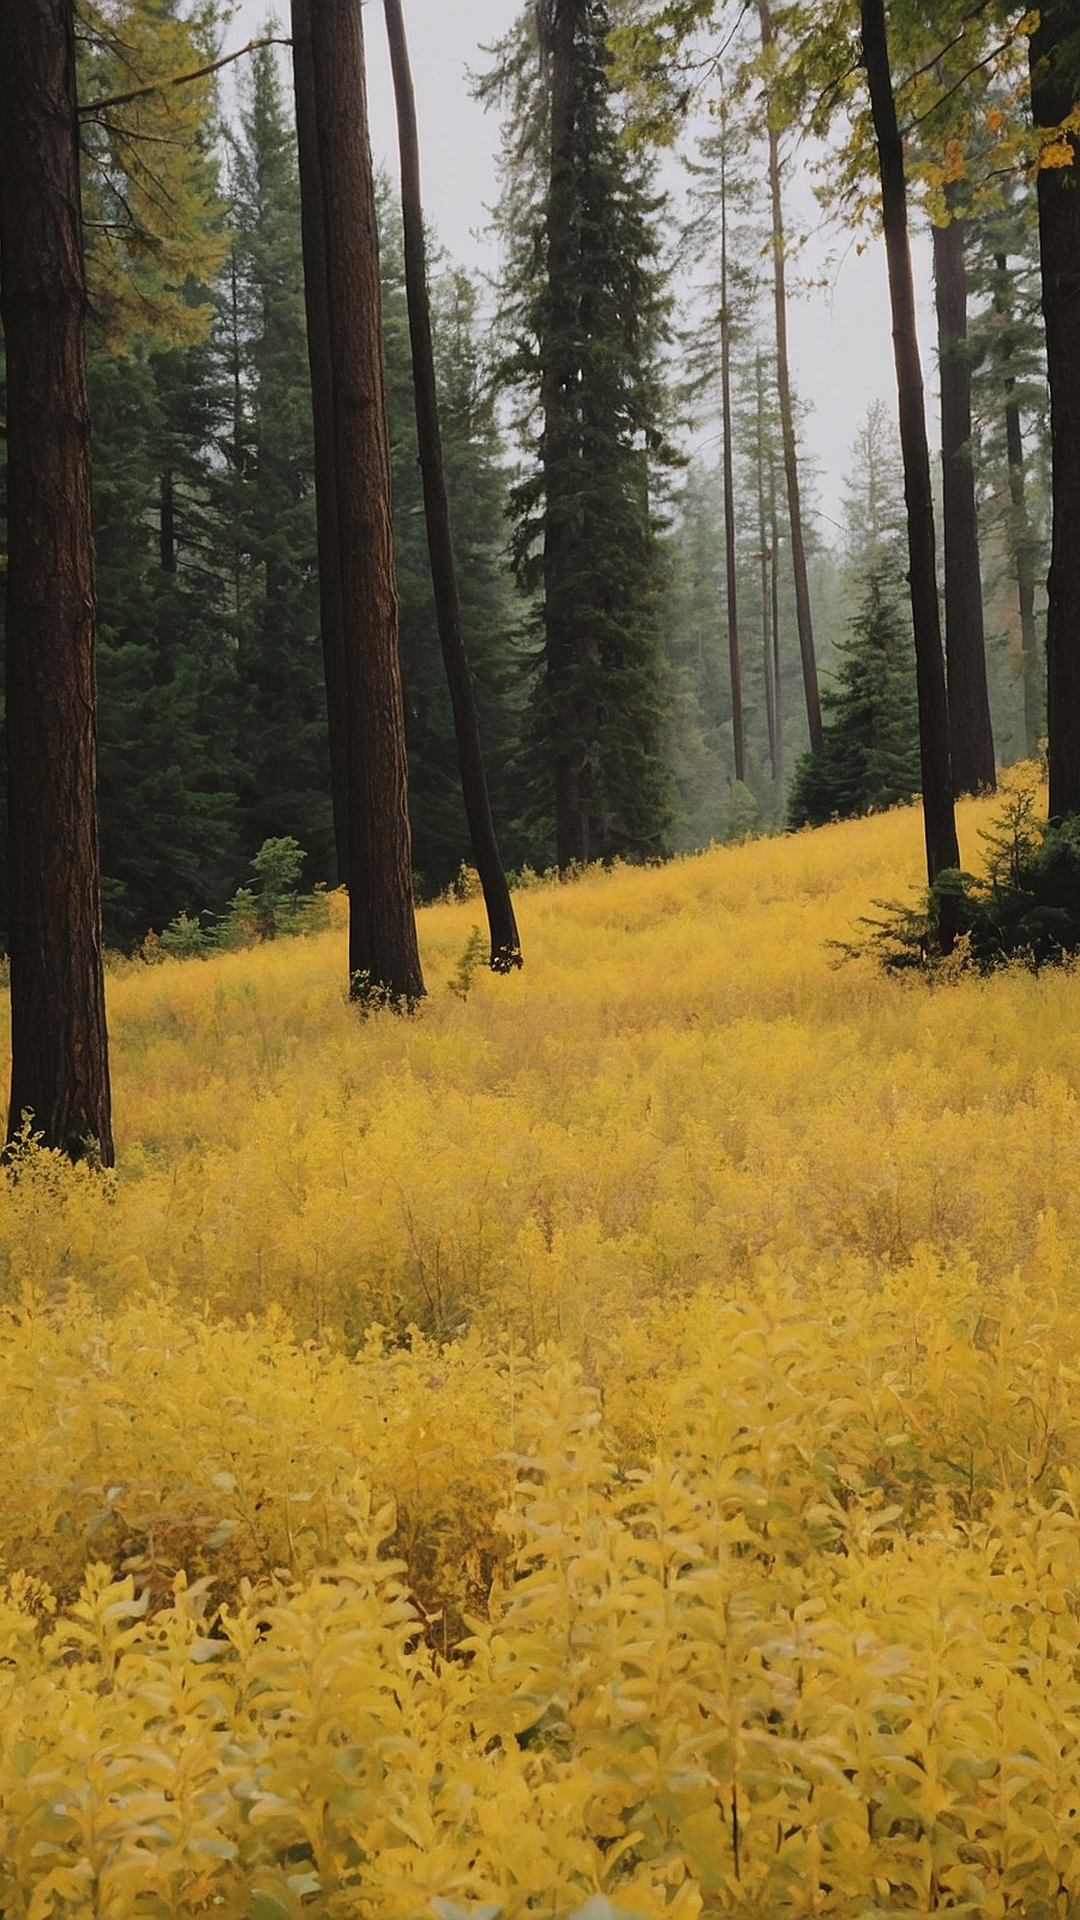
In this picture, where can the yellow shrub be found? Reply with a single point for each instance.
(616, 1434)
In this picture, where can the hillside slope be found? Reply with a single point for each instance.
(615, 1434)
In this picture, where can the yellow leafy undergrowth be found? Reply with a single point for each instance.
(614, 1438)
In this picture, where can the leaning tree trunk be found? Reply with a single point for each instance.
(505, 944)
(60, 1069)
(971, 736)
(384, 959)
(787, 425)
(939, 815)
(316, 302)
(1053, 93)
(730, 558)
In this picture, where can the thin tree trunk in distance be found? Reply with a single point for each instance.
(316, 302)
(763, 564)
(774, 588)
(939, 817)
(1053, 93)
(502, 925)
(60, 1066)
(1021, 537)
(730, 559)
(971, 736)
(787, 427)
(384, 958)
(168, 523)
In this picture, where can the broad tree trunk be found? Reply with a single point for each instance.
(1053, 92)
(384, 959)
(939, 815)
(971, 736)
(575, 719)
(316, 302)
(787, 425)
(1021, 536)
(60, 1069)
(737, 724)
(505, 944)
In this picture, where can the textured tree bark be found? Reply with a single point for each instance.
(1022, 541)
(971, 735)
(730, 557)
(939, 817)
(1053, 93)
(787, 428)
(384, 958)
(60, 1068)
(502, 925)
(316, 303)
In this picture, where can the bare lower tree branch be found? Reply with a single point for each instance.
(181, 79)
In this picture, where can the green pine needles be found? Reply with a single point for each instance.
(870, 757)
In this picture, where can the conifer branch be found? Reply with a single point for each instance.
(181, 79)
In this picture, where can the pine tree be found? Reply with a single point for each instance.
(282, 747)
(166, 655)
(584, 302)
(1008, 347)
(869, 755)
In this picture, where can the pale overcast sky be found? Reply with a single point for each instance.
(840, 340)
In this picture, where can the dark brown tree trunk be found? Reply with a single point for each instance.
(60, 1068)
(730, 560)
(787, 426)
(1054, 90)
(971, 736)
(316, 302)
(939, 817)
(576, 719)
(384, 959)
(505, 944)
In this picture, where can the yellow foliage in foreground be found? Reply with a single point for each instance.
(712, 1542)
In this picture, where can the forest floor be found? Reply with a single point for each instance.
(616, 1433)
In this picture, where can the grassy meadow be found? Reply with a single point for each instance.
(615, 1434)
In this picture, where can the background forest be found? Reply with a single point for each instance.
(212, 701)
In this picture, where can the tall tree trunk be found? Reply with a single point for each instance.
(384, 959)
(317, 308)
(575, 719)
(59, 1045)
(764, 557)
(971, 736)
(939, 817)
(730, 559)
(774, 595)
(1021, 534)
(1054, 89)
(505, 944)
(787, 424)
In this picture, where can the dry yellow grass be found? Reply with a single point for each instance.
(737, 1432)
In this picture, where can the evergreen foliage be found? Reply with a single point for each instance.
(870, 756)
(584, 307)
